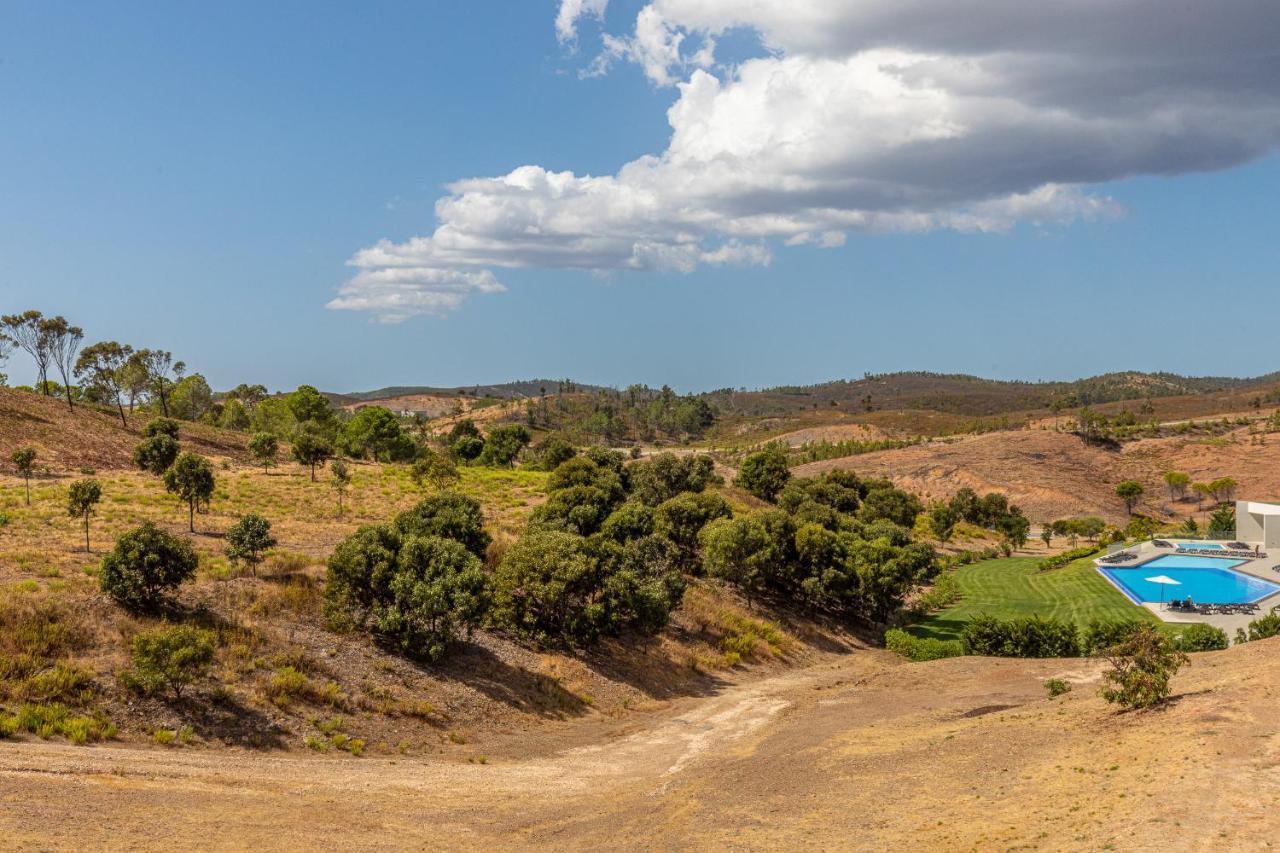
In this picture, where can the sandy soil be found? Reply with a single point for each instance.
(859, 751)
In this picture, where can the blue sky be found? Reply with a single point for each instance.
(196, 176)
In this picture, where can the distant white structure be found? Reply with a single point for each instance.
(1258, 522)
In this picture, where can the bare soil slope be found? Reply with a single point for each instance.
(89, 438)
(862, 752)
(1054, 475)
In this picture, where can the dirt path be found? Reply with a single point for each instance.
(859, 752)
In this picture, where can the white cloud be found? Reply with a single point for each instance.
(866, 116)
(571, 11)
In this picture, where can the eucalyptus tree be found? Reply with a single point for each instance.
(102, 366)
(25, 330)
(64, 342)
(162, 373)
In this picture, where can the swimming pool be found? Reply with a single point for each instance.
(1205, 580)
(1203, 546)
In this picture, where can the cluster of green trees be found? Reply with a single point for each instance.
(187, 475)
(833, 542)
(991, 512)
(637, 414)
(1089, 527)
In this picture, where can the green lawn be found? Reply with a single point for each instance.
(1013, 587)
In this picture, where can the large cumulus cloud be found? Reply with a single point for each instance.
(863, 115)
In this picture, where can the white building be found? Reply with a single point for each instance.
(1258, 522)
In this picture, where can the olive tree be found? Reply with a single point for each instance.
(191, 479)
(1130, 491)
(764, 473)
(263, 447)
(248, 539)
(81, 499)
(312, 449)
(340, 479)
(144, 566)
(434, 468)
(24, 459)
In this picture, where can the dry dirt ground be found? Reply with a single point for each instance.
(1055, 475)
(858, 751)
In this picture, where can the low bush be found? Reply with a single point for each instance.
(921, 648)
(1141, 669)
(1066, 557)
(1022, 637)
(1057, 687)
(169, 659)
(1099, 635)
(1201, 638)
(1260, 629)
(49, 720)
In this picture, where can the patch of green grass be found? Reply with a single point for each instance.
(1012, 587)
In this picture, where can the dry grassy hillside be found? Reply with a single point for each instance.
(88, 438)
(1054, 475)
(281, 675)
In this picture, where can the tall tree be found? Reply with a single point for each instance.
(6, 347)
(134, 378)
(64, 342)
(102, 365)
(25, 330)
(159, 366)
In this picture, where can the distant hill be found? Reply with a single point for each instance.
(974, 396)
(503, 391)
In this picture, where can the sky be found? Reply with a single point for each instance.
(703, 193)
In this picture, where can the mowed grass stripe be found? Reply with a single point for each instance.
(1012, 587)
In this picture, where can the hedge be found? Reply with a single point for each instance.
(1067, 557)
(921, 648)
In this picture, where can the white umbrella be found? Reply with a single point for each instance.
(1163, 580)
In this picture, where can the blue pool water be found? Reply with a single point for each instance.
(1207, 580)
(1203, 546)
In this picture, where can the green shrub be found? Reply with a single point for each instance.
(450, 516)
(1057, 687)
(248, 539)
(1021, 637)
(52, 719)
(560, 589)
(921, 648)
(1260, 629)
(156, 453)
(944, 593)
(418, 590)
(1201, 638)
(1141, 669)
(169, 659)
(145, 565)
(63, 682)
